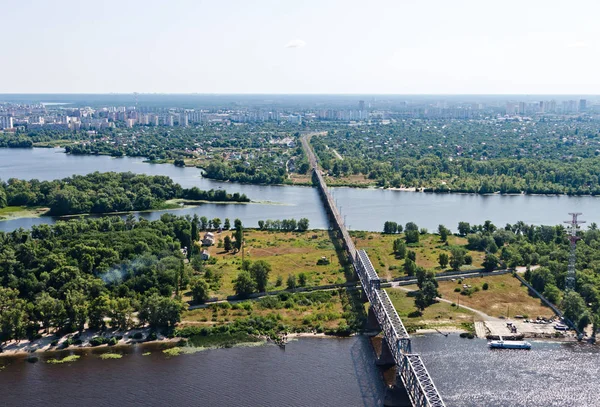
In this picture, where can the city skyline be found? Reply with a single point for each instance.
(330, 47)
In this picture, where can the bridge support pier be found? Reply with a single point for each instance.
(396, 395)
(385, 357)
(372, 324)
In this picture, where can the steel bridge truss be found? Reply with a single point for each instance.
(410, 368)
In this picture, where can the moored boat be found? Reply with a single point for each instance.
(501, 344)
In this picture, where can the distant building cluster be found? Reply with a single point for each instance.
(61, 116)
(564, 107)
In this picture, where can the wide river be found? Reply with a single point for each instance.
(364, 209)
(310, 372)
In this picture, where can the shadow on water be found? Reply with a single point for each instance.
(369, 379)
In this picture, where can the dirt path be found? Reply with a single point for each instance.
(481, 314)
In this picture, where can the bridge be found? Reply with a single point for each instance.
(411, 372)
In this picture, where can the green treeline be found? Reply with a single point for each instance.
(250, 174)
(104, 193)
(15, 142)
(284, 225)
(81, 272)
(548, 247)
(470, 156)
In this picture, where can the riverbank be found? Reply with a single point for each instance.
(18, 212)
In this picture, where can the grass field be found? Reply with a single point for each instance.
(505, 294)
(301, 312)
(287, 253)
(14, 212)
(380, 250)
(440, 315)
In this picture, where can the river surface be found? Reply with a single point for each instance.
(310, 372)
(468, 374)
(364, 209)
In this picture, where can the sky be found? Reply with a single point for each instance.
(302, 46)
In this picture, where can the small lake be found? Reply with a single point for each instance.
(364, 209)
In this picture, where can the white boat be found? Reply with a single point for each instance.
(502, 344)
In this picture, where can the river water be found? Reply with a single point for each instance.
(310, 372)
(364, 209)
(468, 374)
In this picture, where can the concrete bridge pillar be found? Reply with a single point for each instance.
(396, 395)
(372, 324)
(385, 357)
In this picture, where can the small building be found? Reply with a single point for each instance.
(205, 255)
(208, 239)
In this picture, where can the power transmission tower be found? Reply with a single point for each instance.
(573, 238)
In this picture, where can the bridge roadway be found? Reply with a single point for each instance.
(410, 368)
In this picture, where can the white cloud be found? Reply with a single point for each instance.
(295, 44)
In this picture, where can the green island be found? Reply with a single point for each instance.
(109, 281)
(100, 193)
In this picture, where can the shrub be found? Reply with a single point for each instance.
(485, 286)
(113, 341)
(457, 290)
(98, 340)
(138, 336)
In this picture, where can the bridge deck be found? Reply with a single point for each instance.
(410, 367)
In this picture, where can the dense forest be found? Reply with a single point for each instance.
(104, 193)
(469, 156)
(82, 271)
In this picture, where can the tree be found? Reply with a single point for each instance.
(390, 228)
(464, 228)
(227, 245)
(121, 313)
(411, 226)
(259, 270)
(216, 222)
(444, 232)
(490, 262)
(227, 224)
(2, 197)
(409, 267)
(244, 284)
(302, 279)
(411, 236)
(411, 254)
(160, 312)
(261, 224)
(179, 162)
(291, 282)
(200, 290)
(400, 248)
(443, 260)
(457, 257)
(99, 309)
(238, 235)
(573, 306)
(552, 293)
(203, 223)
(303, 225)
(195, 221)
(13, 317)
